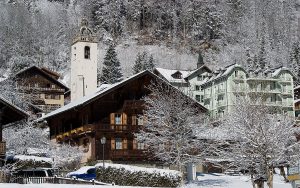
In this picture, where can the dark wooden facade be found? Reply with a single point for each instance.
(115, 113)
(9, 113)
(41, 87)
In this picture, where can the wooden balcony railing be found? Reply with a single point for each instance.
(40, 88)
(2, 148)
(122, 154)
(98, 127)
(133, 104)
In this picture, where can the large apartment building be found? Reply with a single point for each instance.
(188, 81)
(218, 91)
(225, 86)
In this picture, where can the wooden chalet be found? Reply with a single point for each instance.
(42, 87)
(112, 112)
(9, 113)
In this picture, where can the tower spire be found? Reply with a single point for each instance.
(200, 60)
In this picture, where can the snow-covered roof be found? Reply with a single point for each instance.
(277, 71)
(167, 74)
(196, 70)
(33, 158)
(13, 106)
(296, 101)
(44, 73)
(297, 87)
(223, 72)
(99, 93)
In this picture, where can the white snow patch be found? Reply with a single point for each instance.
(33, 158)
(226, 181)
(162, 172)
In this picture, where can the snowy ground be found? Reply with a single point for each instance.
(54, 185)
(205, 181)
(225, 181)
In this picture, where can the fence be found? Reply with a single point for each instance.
(53, 180)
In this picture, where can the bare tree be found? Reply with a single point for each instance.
(256, 139)
(171, 121)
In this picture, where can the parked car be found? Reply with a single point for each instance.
(85, 173)
(34, 172)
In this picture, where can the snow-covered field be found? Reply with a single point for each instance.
(226, 181)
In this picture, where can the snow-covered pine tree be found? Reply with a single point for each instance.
(295, 59)
(111, 72)
(138, 65)
(250, 61)
(142, 62)
(150, 63)
(262, 60)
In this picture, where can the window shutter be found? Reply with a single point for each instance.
(125, 143)
(134, 144)
(124, 119)
(112, 118)
(113, 144)
(133, 120)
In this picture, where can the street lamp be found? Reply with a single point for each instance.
(103, 141)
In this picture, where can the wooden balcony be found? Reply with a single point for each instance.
(2, 148)
(133, 104)
(108, 128)
(122, 154)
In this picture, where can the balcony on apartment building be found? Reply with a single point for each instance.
(2, 148)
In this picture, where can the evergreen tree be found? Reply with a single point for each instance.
(111, 72)
(200, 60)
(150, 63)
(138, 66)
(142, 62)
(262, 61)
(295, 59)
(250, 61)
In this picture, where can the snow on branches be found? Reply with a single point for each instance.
(258, 139)
(171, 120)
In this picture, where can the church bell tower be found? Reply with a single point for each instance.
(83, 62)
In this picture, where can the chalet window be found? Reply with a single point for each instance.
(202, 98)
(119, 143)
(87, 52)
(236, 73)
(273, 86)
(140, 146)
(140, 120)
(273, 98)
(197, 88)
(177, 75)
(53, 86)
(198, 98)
(134, 120)
(118, 119)
(36, 85)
